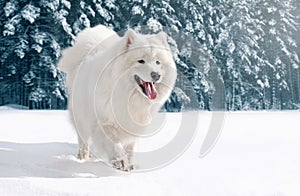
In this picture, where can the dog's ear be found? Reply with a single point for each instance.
(131, 36)
(162, 37)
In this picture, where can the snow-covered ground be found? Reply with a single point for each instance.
(257, 154)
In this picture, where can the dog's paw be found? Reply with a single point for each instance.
(83, 157)
(122, 165)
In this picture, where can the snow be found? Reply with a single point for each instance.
(37, 47)
(13, 107)
(272, 22)
(257, 154)
(260, 83)
(137, 10)
(9, 9)
(154, 25)
(231, 47)
(30, 13)
(66, 3)
(271, 9)
(21, 48)
(52, 5)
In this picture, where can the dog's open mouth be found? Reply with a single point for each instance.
(148, 88)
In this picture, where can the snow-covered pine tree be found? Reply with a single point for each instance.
(280, 51)
(296, 73)
(236, 53)
(31, 36)
(88, 13)
(201, 21)
(253, 53)
(177, 101)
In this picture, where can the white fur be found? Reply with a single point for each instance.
(108, 108)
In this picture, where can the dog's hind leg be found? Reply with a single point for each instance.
(83, 153)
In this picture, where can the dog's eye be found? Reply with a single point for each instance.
(141, 61)
(157, 62)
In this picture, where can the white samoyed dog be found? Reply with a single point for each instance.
(116, 84)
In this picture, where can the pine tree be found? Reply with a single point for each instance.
(32, 47)
(255, 52)
(236, 53)
(280, 50)
(177, 101)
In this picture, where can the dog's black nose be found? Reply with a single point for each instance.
(155, 76)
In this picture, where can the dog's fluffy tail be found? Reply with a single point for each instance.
(87, 42)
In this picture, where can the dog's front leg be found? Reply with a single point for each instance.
(108, 148)
(120, 159)
(129, 148)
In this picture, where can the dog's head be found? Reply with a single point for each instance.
(151, 63)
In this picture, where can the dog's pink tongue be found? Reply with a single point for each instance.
(150, 90)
